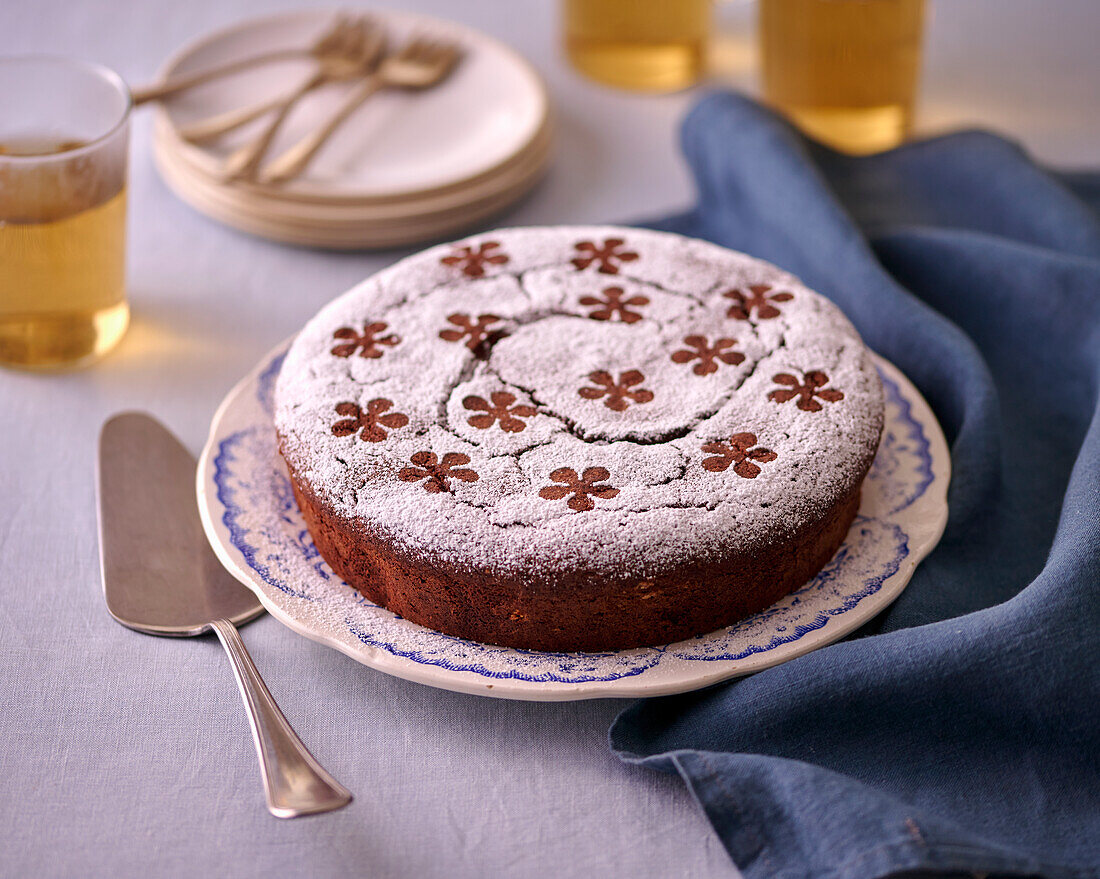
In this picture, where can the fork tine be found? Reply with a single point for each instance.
(442, 54)
(359, 29)
(445, 55)
(424, 55)
(454, 55)
(375, 35)
(351, 22)
(331, 37)
(356, 36)
(437, 55)
(421, 47)
(338, 36)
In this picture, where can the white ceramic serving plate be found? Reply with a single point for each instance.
(346, 226)
(255, 527)
(488, 111)
(249, 199)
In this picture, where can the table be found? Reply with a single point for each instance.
(127, 755)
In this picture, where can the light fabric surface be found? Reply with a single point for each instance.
(125, 755)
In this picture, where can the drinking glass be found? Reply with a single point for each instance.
(64, 127)
(845, 71)
(649, 45)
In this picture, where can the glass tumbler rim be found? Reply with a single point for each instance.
(100, 71)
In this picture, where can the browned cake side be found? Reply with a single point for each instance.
(573, 613)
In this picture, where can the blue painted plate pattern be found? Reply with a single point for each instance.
(263, 524)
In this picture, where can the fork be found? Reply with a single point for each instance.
(357, 55)
(421, 64)
(334, 43)
(320, 47)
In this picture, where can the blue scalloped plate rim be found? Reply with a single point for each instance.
(254, 526)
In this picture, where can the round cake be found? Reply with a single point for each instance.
(578, 438)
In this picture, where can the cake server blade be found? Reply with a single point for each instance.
(161, 577)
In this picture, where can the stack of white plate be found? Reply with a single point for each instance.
(407, 167)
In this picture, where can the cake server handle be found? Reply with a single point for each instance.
(294, 782)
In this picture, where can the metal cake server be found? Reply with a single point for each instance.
(161, 577)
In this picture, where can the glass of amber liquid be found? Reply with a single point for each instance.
(647, 45)
(64, 127)
(845, 71)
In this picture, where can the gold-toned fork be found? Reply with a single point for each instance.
(361, 47)
(320, 47)
(336, 42)
(421, 64)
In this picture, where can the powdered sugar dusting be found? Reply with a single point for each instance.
(578, 363)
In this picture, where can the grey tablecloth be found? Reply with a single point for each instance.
(127, 755)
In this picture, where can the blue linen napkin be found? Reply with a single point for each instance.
(962, 732)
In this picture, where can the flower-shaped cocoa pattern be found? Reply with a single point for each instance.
(472, 260)
(437, 472)
(582, 488)
(759, 298)
(372, 422)
(708, 355)
(368, 343)
(477, 334)
(741, 451)
(812, 386)
(607, 256)
(612, 304)
(498, 409)
(619, 392)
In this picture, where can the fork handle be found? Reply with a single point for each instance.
(155, 92)
(294, 782)
(294, 161)
(215, 126)
(243, 163)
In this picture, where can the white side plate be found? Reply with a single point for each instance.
(486, 112)
(254, 526)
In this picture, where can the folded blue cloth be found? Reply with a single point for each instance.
(961, 732)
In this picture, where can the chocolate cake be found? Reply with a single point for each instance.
(578, 438)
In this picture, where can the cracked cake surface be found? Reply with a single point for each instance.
(547, 411)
